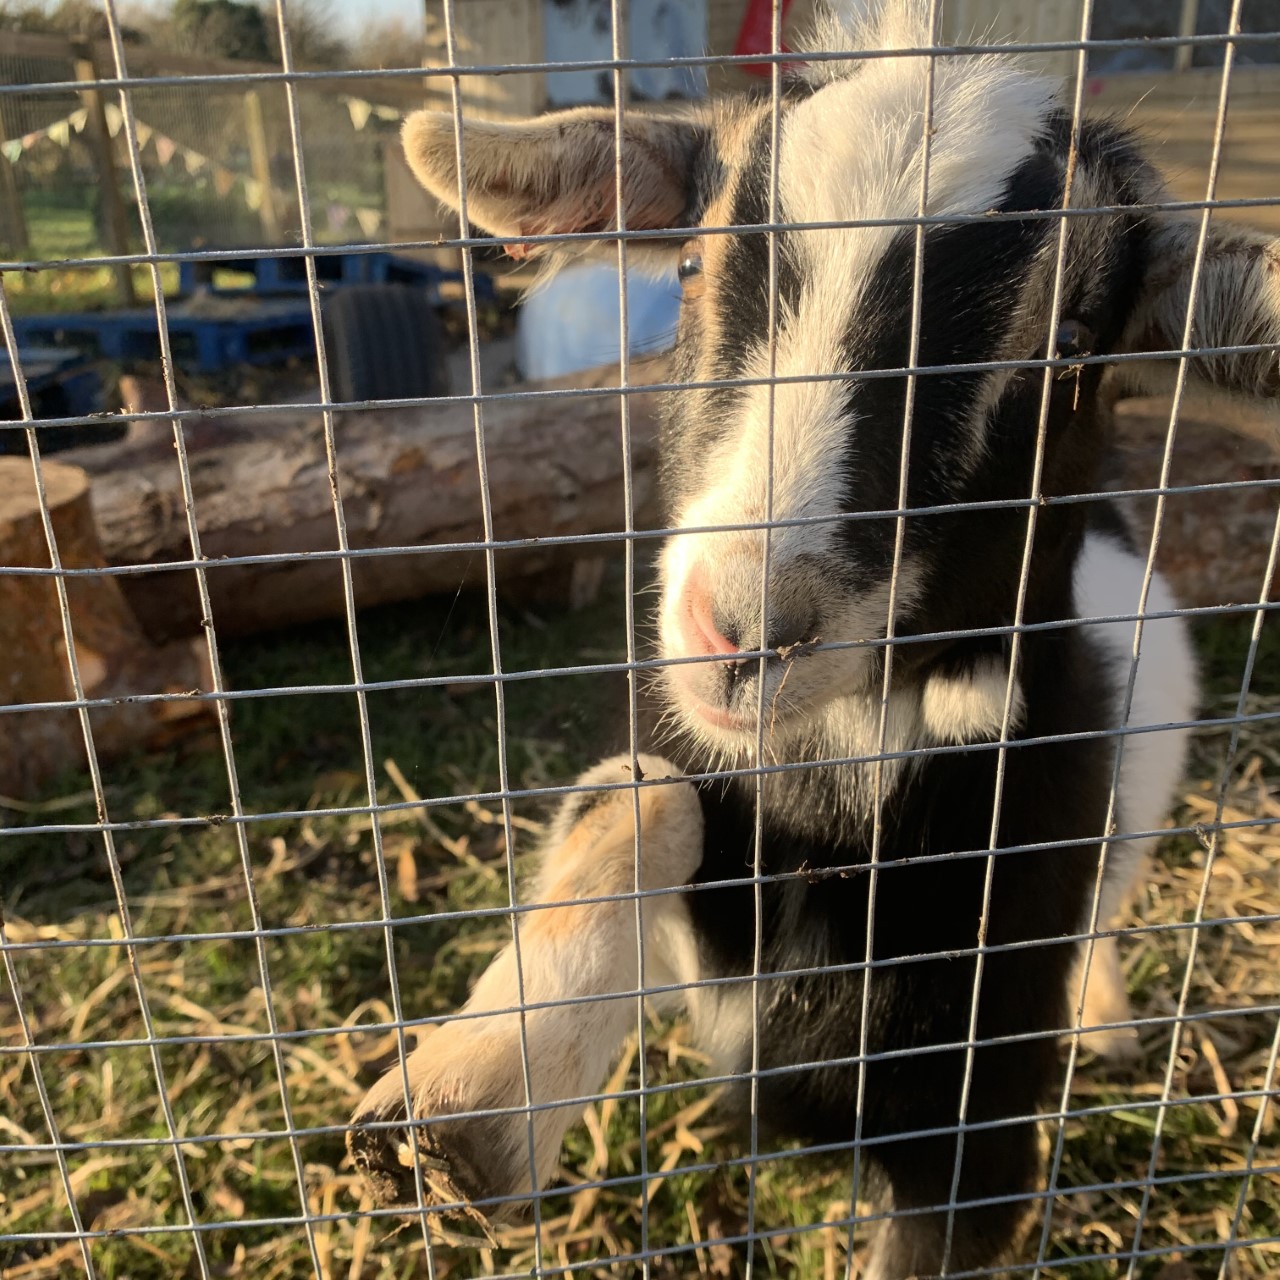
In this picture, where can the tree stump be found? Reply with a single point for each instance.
(115, 658)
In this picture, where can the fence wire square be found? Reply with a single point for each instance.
(215, 943)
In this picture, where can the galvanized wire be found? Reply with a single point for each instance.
(652, 1251)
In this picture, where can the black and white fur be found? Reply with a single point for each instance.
(851, 148)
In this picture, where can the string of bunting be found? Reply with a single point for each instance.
(224, 179)
(361, 111)
(59, 131)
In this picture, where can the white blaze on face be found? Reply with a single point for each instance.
(850, 152)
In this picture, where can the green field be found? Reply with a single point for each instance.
(303, 752)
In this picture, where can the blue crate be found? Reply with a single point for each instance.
(273, 325)
(270, 331)
(288, 275)
(61, 384)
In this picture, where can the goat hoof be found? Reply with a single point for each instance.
(449, 1155)
(1120, 1044)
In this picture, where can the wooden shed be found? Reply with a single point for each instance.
(515, 32)
(1174, 107)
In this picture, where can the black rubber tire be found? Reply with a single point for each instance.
(384, 342)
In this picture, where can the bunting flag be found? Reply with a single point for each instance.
(59, 131)
(338, 215)
(370, 220)
(360, 111)
(224, 179)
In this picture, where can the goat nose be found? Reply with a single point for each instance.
(705, 633)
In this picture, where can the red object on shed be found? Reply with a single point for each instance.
(756, 34)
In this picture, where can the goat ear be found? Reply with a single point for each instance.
(1237, 304)
(557, 174)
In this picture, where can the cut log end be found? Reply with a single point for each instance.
(113, 659)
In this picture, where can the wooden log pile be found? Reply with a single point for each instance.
(116, 659)
(409, 480)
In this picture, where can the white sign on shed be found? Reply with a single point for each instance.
(582, 31)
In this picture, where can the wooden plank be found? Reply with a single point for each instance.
(260, 160)
(145, 63)
(102, 146)
(408, 478)
(1177, 115)
(490, 32)
(1024, 22)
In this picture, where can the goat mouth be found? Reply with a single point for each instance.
(737, 722)
(741, 723)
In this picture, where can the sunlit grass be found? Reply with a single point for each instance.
(303, 752)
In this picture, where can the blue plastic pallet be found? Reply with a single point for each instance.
(277, 276)
(269, 331)
(60, 384)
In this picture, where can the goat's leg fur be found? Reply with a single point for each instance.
(574, 950)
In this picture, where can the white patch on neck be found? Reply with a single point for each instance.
(969, 707)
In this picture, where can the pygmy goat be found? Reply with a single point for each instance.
(967, 960)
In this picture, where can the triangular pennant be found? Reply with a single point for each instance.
(79, 119)
(223, 181)
(61, 133)
(144, 132)
(253, 194)
(370, 220)
(115, 118)
(12, 150)
(193, 160)
(29, 140)
(387, 113)
(165, 147)
(360, 111)
(339, 215)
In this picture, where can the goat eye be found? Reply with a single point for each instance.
(690, 266)
(1075, 338)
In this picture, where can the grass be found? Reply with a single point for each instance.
(63, 225)
(302, 752)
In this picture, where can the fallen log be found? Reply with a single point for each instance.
(116, 661)
(408, 478)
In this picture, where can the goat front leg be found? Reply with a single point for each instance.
(580, 951)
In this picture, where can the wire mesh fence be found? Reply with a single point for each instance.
(241, 926)
(216, 155)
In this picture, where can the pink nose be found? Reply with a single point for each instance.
(701, 634)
